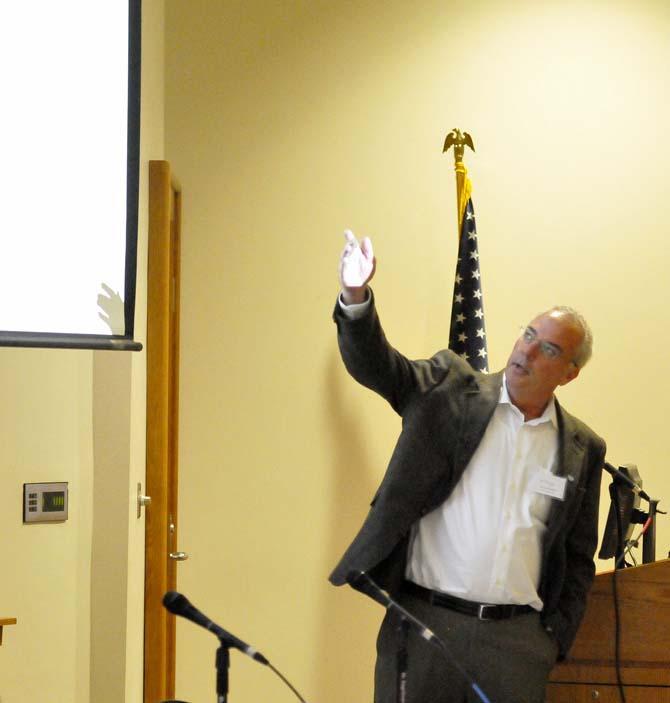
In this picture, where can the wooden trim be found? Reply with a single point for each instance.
(162, 374)
(173, 439)
(6, 621)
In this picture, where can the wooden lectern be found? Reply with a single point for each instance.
(589, 673)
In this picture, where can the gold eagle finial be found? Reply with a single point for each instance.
(459, 140)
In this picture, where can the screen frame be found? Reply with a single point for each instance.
(112, 342)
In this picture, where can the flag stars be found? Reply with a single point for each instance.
(467, 330)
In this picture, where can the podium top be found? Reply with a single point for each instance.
(643, 594)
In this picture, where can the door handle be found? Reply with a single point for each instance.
(142, 500)
(175, 556)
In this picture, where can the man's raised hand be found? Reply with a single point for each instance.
(357, 267)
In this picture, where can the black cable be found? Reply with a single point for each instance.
(634, 542)
(617, 638)
(287, 682)
(617, 615)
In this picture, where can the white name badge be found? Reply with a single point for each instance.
(548, 484)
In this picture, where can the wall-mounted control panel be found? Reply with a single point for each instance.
(44, 502)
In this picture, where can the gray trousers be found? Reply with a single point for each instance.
(509, 660)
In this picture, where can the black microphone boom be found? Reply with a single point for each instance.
(360, 581)
(178, 604)
(363, 583)
(621, 476)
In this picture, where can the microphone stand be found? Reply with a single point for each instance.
(402, 660)
(362, 582)
(178, 604)
(649, 537)
(222, 666)
(619, 561)
(637, 517)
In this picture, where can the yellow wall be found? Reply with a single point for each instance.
(287, 122)
(45, 434)
(79, 416)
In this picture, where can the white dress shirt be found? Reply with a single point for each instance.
(484, 543)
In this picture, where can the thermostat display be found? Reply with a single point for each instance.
(44, 502)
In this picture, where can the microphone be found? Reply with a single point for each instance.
(363, 583)
(620, 475)
(360, 581)
(178, 604)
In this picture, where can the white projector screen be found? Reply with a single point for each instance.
(69, 140)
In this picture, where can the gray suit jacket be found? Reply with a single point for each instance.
(445, 407)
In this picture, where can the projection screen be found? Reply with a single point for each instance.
(70, 173)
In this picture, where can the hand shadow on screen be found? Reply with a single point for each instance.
(112, 310)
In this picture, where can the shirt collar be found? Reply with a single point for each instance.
(549, 414)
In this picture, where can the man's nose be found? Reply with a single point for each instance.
(532, 349)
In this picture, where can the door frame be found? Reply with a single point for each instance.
(162, 422)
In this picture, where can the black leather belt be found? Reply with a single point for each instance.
(483, 611)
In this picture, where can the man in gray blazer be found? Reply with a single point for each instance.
(485, 524)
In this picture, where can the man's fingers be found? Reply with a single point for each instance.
(366, 248)
(350, 237)
(352, 243)
(357, 263)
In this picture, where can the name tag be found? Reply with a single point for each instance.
(548, 484)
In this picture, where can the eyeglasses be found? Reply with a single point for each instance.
(548, 349)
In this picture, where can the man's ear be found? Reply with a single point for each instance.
(571, 374)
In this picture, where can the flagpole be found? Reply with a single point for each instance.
(467, 332)
(460, 140)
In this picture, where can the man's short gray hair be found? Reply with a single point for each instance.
(585, 349)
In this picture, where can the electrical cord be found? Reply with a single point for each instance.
(617, 615)
(634, 543)
(288, 683)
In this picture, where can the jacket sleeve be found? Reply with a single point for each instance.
(373, 362)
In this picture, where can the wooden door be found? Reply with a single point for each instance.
(162, 548)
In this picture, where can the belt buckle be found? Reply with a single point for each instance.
(481, 614)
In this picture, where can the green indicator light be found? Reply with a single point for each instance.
(53, 501)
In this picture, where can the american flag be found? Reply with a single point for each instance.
(467, 335)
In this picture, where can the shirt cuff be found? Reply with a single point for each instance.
(355, 310)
